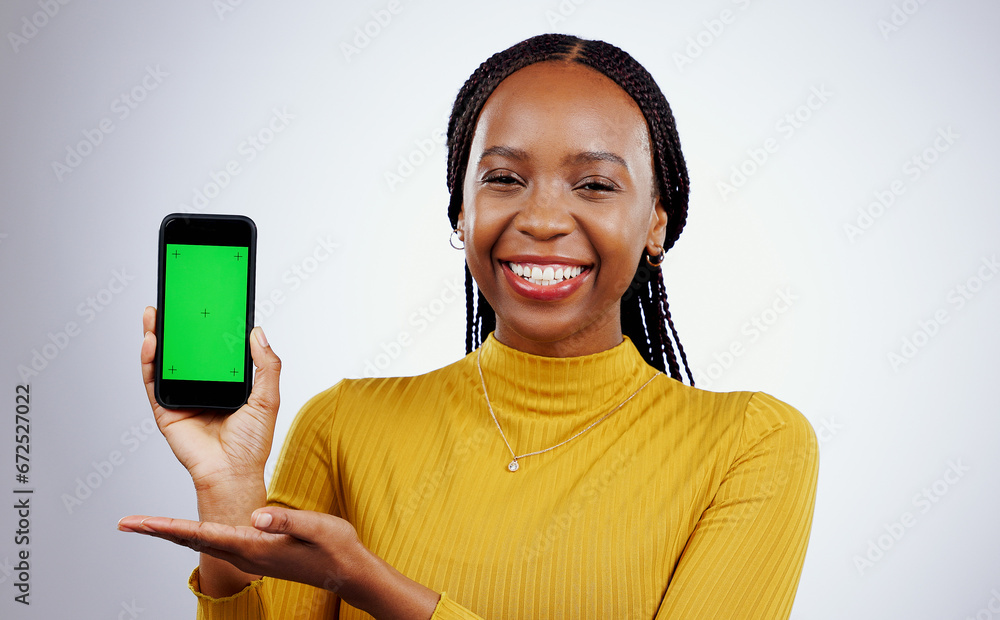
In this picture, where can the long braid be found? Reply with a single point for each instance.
(487, 317)
(470, 318)
(645, 315)
(673, 330)
(664, 316)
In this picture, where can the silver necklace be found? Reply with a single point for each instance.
(513, 465)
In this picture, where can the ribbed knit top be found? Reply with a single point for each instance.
(681, 504)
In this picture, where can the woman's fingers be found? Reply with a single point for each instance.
(310, 527)
(148, 352)
(264, 395)
(148, 319)
(194, 534)
(212, 444)
(265, 389)
(298, 545)
(303, 525)
(221, 541)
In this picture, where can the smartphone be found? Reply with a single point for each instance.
(204, 301)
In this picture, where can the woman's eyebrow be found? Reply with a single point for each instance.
(589, 156)
(504, 151)
(579, 158)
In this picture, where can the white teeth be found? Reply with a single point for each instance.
(547, 276)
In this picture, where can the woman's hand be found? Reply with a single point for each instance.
(298, 545)
(225, 453)
(219, 449)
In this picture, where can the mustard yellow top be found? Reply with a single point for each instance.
(681, 504)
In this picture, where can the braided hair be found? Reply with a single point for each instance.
(645, 315)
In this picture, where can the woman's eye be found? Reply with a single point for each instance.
(598, 186)
(502, 179)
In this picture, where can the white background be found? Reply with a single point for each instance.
(888, 430)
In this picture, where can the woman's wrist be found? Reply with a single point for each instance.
(369, 583)
(230, 501)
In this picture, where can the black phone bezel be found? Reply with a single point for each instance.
(204, 229)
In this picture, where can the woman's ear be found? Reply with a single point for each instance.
(657, 229)
(460, 224)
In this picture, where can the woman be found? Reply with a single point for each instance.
(554, 471)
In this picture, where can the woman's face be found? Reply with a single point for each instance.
(559, 203)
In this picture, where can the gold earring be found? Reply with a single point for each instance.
(659, 258)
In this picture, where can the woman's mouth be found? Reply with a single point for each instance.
(545, 275)
(543, 280)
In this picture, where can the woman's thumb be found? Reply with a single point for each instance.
(264, 395)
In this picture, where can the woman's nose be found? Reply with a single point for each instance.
(545, 214)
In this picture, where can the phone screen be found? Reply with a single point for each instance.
(204, 331)
(205, 311)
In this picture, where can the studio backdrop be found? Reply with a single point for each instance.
(842, 253)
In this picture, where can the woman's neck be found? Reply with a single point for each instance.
(596, 337)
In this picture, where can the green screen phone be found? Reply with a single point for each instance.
(205, 311)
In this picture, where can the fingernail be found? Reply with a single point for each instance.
(262, 520)
(261, 339)
(123, 528)
(145, 527)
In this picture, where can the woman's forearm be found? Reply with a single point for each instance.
(371, 584)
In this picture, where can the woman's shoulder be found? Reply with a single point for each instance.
(757, 415)
(771, 424)
(766, 415)
(761, 406)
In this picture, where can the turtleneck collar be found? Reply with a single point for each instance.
(520, 383)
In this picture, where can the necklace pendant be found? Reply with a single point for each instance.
(513, 466)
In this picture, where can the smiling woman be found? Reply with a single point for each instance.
(555, 471)
(560, 178)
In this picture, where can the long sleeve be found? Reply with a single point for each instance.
(304, 480)
(745, 555)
